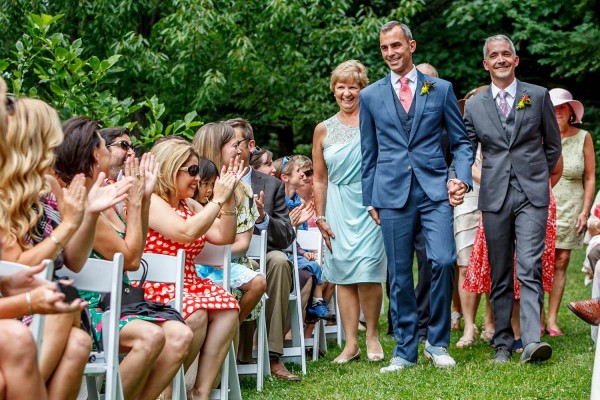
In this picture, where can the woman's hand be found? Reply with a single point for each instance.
(102, 197)
(149, 170)
(326, 232)
(230, 177)
(21, 281)
(301, 214)
(581, 223)
(74, 198)
(46, 299)
(131, 169)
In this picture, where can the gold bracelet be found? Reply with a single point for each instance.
(217, 203)
(28, 301)
(229, 212)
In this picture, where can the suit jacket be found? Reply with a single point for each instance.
(390, 159)
(280, 233)
(533, 150)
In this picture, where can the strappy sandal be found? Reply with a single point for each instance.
(486, 335)
(455, 320)
(465, 342)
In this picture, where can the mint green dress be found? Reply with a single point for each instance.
(358, 254)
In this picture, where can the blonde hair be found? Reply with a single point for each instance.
(30, 131)
(349, 71)
(171, 155)
(208, 142)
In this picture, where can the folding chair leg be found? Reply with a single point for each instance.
(92, 388)
(179, 385)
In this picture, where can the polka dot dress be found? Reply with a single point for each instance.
(198, 293)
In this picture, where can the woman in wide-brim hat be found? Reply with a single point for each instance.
(573, 193)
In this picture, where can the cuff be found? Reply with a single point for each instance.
(263, 226)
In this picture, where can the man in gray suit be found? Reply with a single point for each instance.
(515, 124)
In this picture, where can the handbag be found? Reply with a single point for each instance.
(129, 294)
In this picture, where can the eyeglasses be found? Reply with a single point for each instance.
(235, 145)
(193, 170)
(122, 144)
(308, 173)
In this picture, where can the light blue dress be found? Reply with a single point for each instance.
(358, 254)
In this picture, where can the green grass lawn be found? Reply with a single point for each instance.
(567, 375)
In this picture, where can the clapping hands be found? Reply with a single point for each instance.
(301, 214)
(230, 177)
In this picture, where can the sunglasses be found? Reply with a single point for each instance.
(122, 144)
(308, 173)
(193, 170)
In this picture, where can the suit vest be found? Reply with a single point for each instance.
(508, 124)
(406, 119)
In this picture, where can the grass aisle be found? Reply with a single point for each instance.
(566, 376)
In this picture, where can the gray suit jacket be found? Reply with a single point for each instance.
(280, 233)
(533, 150)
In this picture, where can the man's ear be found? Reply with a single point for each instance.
(251, 145)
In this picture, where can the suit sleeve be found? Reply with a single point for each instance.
(550, 133)
(369, 149)
(280, 232)
(468, 120)
(460, 145)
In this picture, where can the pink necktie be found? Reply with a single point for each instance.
(503, 104)
(406, 96)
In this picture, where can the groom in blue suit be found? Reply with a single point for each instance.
(405, 180)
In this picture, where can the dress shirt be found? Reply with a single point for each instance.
(412, 81)
(511, 93)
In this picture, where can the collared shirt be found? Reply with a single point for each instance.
(248, 180)
(412, 81)
(511, 93)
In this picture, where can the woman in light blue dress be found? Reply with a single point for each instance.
(355, 258)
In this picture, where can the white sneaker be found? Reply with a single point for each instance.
(396, 363)
(439, 355)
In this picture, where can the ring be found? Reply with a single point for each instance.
(138, 176)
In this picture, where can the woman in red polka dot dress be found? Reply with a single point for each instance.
(178, 222)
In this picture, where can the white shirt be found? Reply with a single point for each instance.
(412, 81)
(511, 93)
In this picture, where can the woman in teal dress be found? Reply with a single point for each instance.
(355, 258)
(153, 335)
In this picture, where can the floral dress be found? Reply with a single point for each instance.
(198, 293)
(478, 279)
(93, 298)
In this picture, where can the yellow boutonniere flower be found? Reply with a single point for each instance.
(427, 86)
(524, 102)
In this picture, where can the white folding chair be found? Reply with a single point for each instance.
(313, 241)
(95, 277)
(230, 384)
(37, 325)
(296, 350)
(167, 269)
(258, 251)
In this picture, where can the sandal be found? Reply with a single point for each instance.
(465, 342)
(455, 320)
(486, 335)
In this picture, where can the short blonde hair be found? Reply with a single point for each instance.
(171, 155)
(349, 71)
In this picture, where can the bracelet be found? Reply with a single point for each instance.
(320, 217)
(217, 203)
(57, 242)
(229, 212)
(28, 301)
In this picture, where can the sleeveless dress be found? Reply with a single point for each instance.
(478, 278)
(358, 254)
(568, 192)
(93, 298)
(198, 293)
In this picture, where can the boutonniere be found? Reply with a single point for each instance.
(427, 87)
(524, 102)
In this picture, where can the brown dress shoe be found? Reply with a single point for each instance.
(587, 310)
(281, 372)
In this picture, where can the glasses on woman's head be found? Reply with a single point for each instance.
(193, 170)
(122, 144)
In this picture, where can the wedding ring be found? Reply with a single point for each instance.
(138, 176)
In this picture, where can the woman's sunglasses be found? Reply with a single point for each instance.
(193, 170)
(122, 144)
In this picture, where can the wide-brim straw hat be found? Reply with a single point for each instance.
(562, 96)
(461, 102)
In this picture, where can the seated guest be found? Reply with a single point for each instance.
(247, 285)
(179, 222)
(39, 220)
(261, 160)
(118, 143)
(22, 294)
(273, 217)
(153, 335)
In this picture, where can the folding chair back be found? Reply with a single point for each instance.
(95, 277)
(167, 269)
(297, 351)
(258, 251)
(37, 325)
(217, 256)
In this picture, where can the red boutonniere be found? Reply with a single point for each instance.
(524, 102)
